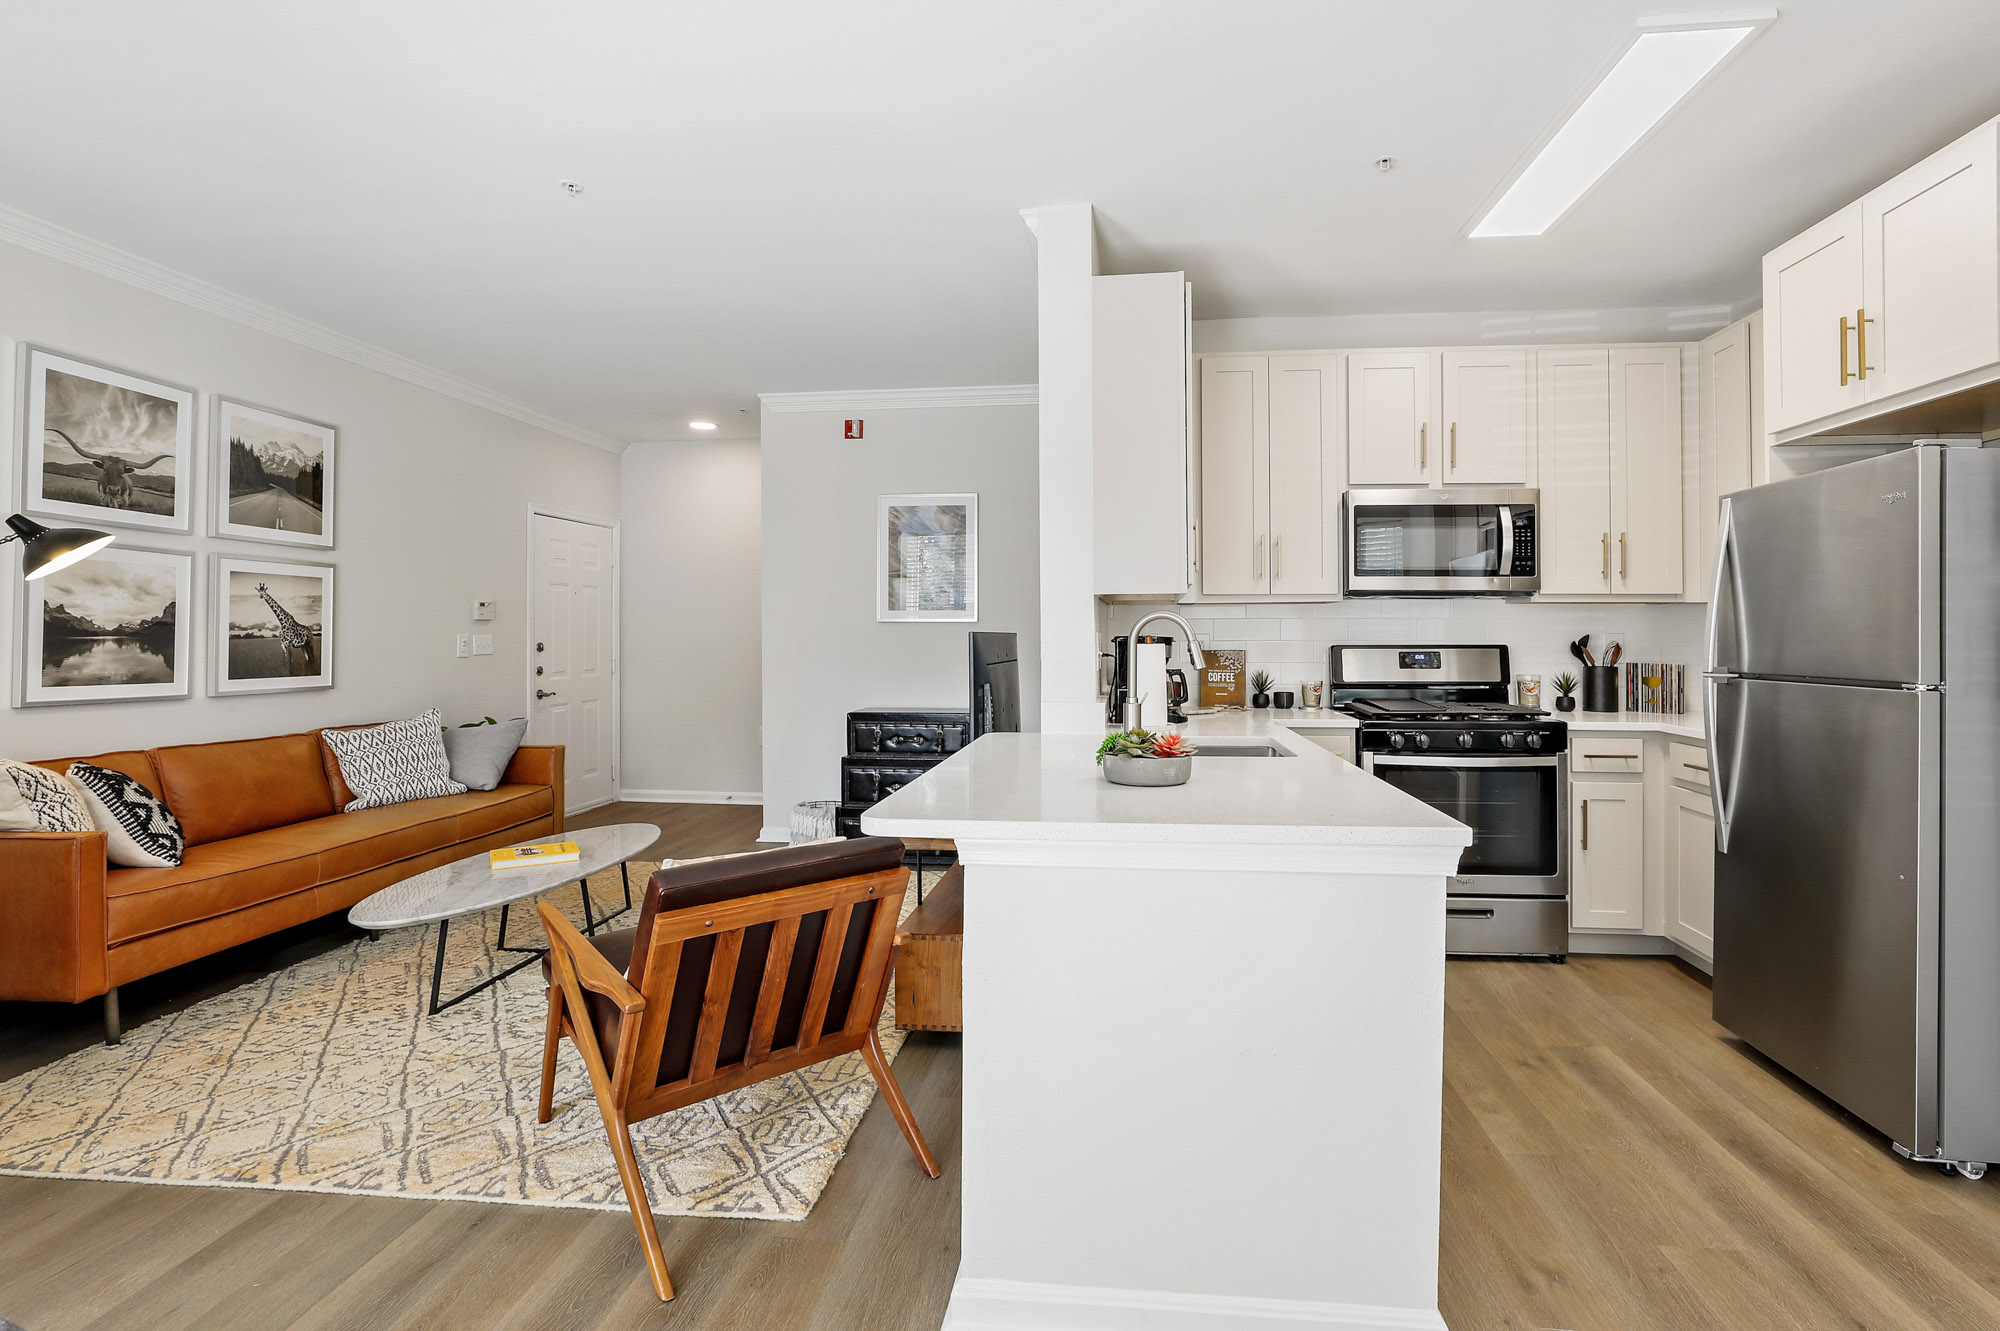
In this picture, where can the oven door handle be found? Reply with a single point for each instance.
(1456, 760)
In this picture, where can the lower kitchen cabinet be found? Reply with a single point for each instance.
(1607, 829)
(1691, 870)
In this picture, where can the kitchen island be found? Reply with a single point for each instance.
(1204, 1034)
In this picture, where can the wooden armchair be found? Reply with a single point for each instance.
(739, 969)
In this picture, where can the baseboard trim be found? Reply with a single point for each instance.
(781, 835)
(692, 796)
(1018, 1305)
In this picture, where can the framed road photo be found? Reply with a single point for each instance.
(105, 448)
(110, 628)
(273, 626)
(927, 557)
(273, 476)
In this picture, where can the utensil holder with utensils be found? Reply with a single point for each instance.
(1600, 688)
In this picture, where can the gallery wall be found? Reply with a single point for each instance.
(824, 653)
(432, 499)
(692, 679)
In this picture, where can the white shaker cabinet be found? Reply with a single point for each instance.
(1607, 880)
(1142, 456)
(1813, 287)
(1691, 870)
(1733, 455)
(1489, 418)
(1610, 467)
(1270, 467)
(1391, 418)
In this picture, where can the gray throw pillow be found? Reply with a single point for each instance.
(480, 754)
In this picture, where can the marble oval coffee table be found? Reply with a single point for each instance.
(468, 886)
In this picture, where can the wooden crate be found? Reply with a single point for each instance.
(929, 948)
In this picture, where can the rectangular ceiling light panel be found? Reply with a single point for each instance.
(1655, 74)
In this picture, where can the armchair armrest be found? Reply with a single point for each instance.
(539, 765)
(52, 916)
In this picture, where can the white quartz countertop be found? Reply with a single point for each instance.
(1048, 788)
(1686, 726)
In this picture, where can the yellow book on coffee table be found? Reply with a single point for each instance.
(521, 857)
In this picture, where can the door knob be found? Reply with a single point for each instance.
(543, 693)
(539, 647)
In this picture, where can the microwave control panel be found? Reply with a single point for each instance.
(1524, 544)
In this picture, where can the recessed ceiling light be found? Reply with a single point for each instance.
(701, 425)
(1665, 61)
(571, 187)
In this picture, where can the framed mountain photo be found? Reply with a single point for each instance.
(110, 628)
(105, 448)
(273, 476)
(273, 626)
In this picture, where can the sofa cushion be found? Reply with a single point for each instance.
(331, 765)
(213, 879)
(395, 762)
(231, 789)
(484, 812)
(140, 831)
(34, 799)
(352, 843)
(135, 763)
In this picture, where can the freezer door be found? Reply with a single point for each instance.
(1833, 575)
(1826, 901)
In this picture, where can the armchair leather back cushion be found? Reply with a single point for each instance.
(135, 763)
(242, 786)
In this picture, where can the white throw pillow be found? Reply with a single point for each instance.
(395, 762)
(34, 799)
(140, 831)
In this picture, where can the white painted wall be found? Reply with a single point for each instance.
(693, 685)
(433, 500)
(824, 653)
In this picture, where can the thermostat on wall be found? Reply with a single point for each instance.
(484, 609)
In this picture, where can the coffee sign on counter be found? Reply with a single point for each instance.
(1222, 677)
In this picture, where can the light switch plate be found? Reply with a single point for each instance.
(485, 609)
(465, 644)
(482, 644)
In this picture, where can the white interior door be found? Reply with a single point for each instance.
(572, 655)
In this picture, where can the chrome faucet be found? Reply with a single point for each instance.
(1195, 659)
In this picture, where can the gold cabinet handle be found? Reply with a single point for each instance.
(1257, 559)
(1423, 446)
(1622, 574)
(1607, 556)
(1454, 445)
(1277, 556)
(1845, 328)
(1861, 322)
(1586, 823)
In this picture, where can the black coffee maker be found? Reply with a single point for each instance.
(1121, 683)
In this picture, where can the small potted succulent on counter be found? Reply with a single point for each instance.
(1260, 688)
(1142, 758)
(1565, 692)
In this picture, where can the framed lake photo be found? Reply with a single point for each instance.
(273, 476)
(927, 557)
(105, 447)
(273, 626)
(110, 628)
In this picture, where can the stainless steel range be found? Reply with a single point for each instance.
(1436, 723)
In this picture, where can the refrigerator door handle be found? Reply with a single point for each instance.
(1725, 551)
(1721, 771)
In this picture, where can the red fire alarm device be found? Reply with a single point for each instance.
(854, 429)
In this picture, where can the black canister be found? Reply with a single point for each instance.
(1600, 688)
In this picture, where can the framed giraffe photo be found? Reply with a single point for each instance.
(110, 628)
(102, 447)
(273, 626)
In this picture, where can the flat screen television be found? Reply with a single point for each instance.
(996, 682)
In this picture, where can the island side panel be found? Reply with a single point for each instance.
(1221, 1086)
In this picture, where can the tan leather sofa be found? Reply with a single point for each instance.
(267, 848)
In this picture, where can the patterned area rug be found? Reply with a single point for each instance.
(329, 1077)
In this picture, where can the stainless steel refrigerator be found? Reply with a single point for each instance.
(1853, 703)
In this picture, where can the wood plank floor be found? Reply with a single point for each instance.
(1614, 1161)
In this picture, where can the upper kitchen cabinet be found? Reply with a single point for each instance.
(1143, 454)
(1890, 302)
(1391, 417)
(1732, 452)
(1270, 468)
(1489, 418)
(1611, 477)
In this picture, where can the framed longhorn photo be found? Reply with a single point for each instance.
(105, 448)
(272, 476)
(273, 626)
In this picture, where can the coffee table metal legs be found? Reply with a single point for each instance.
(591, 925)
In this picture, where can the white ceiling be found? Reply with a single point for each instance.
(797, 195)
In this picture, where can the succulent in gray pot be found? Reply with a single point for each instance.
(1141, 758)
(1260, 688)
(1565, 692)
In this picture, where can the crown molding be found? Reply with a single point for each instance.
(892, 399)
(43, 237)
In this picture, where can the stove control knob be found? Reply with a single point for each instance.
(1510, 740)
(1396, 742)
(1465, 739)
(1534, 741)
(1423, 741)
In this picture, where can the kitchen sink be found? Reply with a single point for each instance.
(1225, 748)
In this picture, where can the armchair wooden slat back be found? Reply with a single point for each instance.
(743, 982)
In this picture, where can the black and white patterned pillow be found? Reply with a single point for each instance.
(34, 799)
(394, 762)
(141, 832)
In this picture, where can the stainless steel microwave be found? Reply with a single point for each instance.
(1464, 541)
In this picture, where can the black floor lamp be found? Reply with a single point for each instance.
(44, 549)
